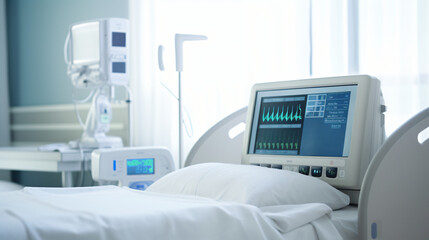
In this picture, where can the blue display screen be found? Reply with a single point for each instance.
(118, 67)
(118, 39)
(140, 166)
(306, 122)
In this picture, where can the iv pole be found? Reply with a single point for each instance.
(178, 43)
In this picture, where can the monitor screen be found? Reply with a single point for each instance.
(303, 122)
(140, 166)
(118, 39)
(118, 67)
(85, 43)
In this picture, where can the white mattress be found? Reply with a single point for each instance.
(121, 213)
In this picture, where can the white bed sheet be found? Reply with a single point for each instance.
(346, 222)
(121, 213)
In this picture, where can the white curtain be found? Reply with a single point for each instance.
(248, 42)
(4, 97)
(330, 31)
(393, 42)
(258, 41)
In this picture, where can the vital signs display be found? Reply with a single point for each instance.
(140, 166)
(327, 128)
(307, 122)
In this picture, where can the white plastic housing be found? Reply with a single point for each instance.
(178, 45)
(99, 52)
(394, 197)
(367, 131)
(111, 165)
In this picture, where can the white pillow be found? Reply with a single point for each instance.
(258, 186)
(9, 186)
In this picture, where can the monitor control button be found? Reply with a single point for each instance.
(316, 171)
(304, 170)
(278, 166)
(331, 172)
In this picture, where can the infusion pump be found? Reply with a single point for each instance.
(136, 167)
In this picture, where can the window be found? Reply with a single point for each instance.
(271, 40)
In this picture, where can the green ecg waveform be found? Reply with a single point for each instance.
(292, 145)
(282, 116)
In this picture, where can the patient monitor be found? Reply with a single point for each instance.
(328, 128)
(136, 167)
(96, 53)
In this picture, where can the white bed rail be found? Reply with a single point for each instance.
(394, 198)
(222, 142)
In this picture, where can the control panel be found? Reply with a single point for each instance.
(314, 171)
(136, 168)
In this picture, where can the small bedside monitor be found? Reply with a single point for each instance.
(327, 128)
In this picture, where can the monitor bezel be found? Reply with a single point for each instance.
(363, 129)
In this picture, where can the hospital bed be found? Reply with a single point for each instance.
(110, 212)
(209, 200)
(67, 213)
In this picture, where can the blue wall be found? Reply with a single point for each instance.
(36, 33)
(36, 30)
